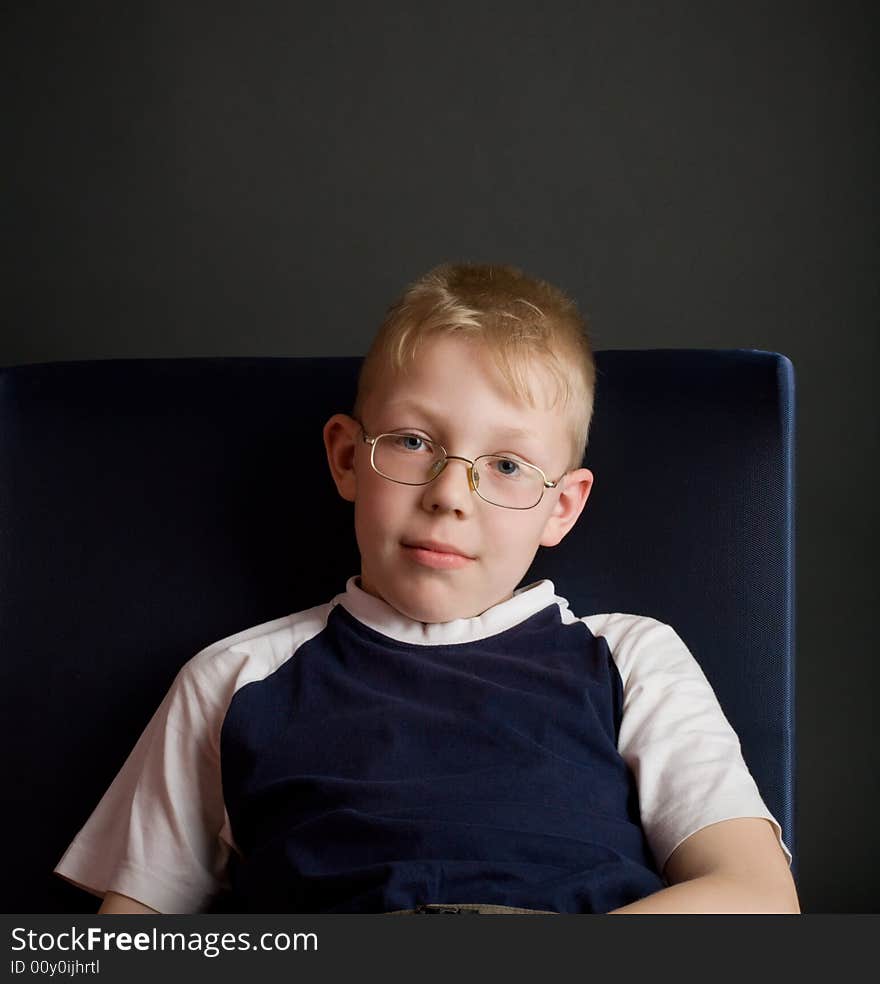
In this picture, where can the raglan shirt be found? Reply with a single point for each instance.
(347, 758)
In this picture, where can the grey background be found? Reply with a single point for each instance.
(197, 179)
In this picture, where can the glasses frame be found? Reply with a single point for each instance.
(471, 463)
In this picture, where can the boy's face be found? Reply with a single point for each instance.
(454, 395)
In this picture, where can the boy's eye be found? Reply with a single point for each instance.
(505, 467)
(411, 442)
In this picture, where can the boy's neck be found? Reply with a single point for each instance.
(359, 584)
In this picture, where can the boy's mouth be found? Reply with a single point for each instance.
(430, 553)
(437, 547)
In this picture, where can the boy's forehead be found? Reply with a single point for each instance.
(530, 425)
(455, 384)
(441, 359)
(400, 403)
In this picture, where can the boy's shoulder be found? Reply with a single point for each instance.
(639, 644)
(618, 625)
(225, 666)
(626, 628)
(269, 636)
(616, 628)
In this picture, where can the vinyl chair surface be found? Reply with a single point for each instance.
(151, 507)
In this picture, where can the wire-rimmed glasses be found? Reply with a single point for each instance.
(500, 480)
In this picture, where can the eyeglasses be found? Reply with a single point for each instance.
(411, 459)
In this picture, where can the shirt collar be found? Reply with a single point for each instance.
(381, 617)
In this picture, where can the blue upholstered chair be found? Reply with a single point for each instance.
(151, 507)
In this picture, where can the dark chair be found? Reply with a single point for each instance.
(151, 507)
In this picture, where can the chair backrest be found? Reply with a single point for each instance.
(151, 507)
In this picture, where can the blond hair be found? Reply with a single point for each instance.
(518, 318)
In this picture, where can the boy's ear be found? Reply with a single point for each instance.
(341, 435)
(569, 505)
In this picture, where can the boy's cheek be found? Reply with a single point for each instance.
(374, 521)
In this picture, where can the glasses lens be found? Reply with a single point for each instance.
(507, 482)
(406, 458)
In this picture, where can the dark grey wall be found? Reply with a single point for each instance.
(262, 179)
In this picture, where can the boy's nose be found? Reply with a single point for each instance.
(447, 489)
(472, 477)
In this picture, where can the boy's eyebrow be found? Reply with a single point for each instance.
(404, 406)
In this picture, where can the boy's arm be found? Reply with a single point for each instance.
(734, 866)
(114, 902)
(157, 832)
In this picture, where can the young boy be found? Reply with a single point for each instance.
(436, 738)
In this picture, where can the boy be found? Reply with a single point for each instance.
(436, 738)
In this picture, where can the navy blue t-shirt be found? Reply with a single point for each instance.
(366, 774)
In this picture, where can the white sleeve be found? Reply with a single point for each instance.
(155, 834)
(683, 752)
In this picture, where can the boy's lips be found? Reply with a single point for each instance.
(440, 556)
(438, 547)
